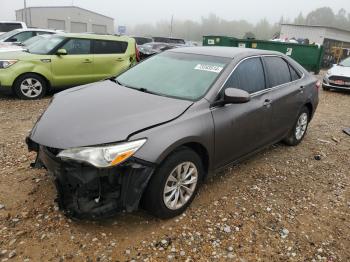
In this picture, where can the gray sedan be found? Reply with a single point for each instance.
(151, 136)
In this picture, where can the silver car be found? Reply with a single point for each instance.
(151, 136)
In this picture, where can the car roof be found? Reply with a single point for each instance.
(223, 51)
(96, 36)
(35, 29)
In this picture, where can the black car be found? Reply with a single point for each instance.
(153, 134)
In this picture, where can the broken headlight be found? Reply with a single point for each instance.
(103, 156)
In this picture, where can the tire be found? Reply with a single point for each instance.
(325, 88)
(35, 85)
(155, 199)
(299, 129)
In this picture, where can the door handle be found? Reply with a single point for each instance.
(87, 61)
(119, 59)
(267, 102)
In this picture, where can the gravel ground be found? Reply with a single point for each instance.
(281, 205)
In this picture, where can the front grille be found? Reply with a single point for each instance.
(341, 81)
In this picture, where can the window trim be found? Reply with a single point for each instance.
(267, 89)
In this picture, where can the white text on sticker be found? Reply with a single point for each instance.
(209, 68)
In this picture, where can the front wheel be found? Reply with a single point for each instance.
(174, 185)
(299, 129)
(30, 87)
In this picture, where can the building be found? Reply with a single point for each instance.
(336, 42)
(68, 18)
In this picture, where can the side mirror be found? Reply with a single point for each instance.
(61, 52)
(236, 96)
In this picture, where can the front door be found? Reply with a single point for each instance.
(242, 128)
(75, 68)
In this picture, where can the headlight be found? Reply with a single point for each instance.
(7, 63)
(104, 156)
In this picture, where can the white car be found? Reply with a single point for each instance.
(7, 26)
(338, 77)
(21, 35)
(10, 47)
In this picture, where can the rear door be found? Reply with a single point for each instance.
(110, 58)
(242, 128)
(286, 93)
(75, 68)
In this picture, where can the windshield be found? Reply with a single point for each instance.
(345, 62)
(33, 40)
(8, 34)
(184, 76)
(45, 45)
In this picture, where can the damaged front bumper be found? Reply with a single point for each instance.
(86, 192)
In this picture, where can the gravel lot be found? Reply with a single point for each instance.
(281, 205)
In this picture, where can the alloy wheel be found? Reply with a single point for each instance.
(301, 126)
(31, 87)
(180, 185)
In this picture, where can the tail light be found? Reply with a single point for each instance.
(137, 53)
(318, 85)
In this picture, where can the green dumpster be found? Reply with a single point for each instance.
(309, 56)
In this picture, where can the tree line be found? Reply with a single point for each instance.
(214, 25)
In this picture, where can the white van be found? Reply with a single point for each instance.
(7, 26)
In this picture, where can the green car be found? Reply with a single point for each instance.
(65, 60)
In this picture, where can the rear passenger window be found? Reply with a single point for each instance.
(248, 76)
(278, 71)
(77, 46)
(294, 74)
(110, 47)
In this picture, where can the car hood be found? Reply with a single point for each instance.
(19, 55)
(102, 113)
(340, 71)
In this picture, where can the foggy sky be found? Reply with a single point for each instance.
(132, 12)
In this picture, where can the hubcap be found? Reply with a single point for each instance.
(180, 185)
(301, 126)
(31, 87)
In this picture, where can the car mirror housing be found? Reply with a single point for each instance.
(61, 52)
(236, 96)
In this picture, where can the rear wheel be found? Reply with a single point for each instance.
(299, 129)
(30, 87)
(174, 185)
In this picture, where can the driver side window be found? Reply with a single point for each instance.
(78, 47)
(248, 76)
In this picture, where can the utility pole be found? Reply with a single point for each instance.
(171, 25)
(25, 11)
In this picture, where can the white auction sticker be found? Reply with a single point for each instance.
(209, 68)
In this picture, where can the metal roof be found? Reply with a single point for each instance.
(72, 6)
(318, 26)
